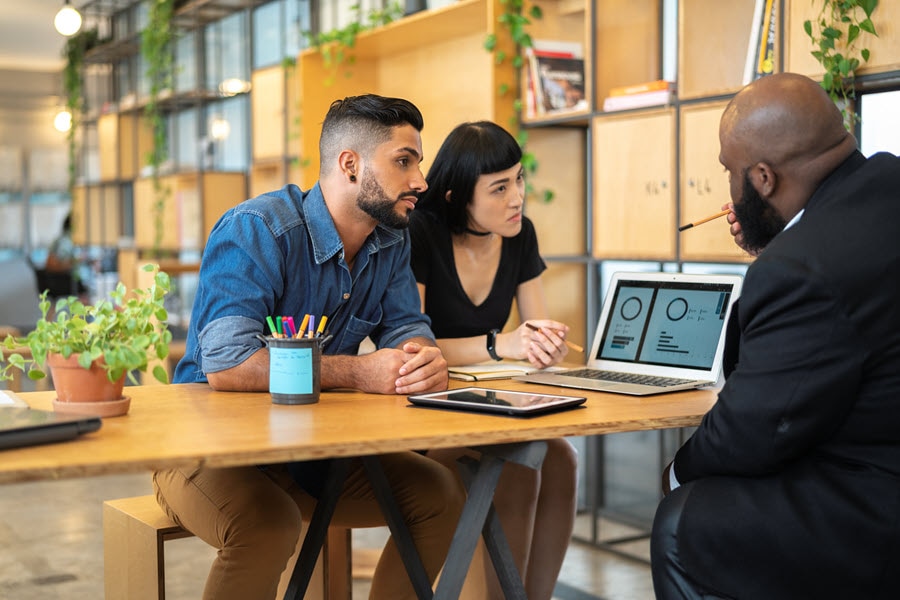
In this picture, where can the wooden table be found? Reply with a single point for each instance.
(188, 425)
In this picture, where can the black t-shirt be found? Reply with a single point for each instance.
(453, 315)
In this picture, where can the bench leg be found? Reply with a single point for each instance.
(128, 573)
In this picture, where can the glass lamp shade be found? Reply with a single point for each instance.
(63, 121)
(67, 20)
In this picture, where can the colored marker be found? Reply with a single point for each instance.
(290, 324)
(312, 327)
(321, 328)
(271, 325)
(302, 327)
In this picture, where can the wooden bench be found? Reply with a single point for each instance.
(134, 534)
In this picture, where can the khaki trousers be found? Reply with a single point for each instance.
(253, 517)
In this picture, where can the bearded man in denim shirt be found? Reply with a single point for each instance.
(340, 249)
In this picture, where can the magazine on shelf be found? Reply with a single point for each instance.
(554, 78)
(559, 84)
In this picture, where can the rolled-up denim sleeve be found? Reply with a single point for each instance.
(228, 342)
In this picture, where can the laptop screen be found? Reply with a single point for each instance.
(665, 323)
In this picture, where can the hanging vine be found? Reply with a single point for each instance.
(336, 45)
(516, 20)
(156, 48)
(73, 84)
(834, 35)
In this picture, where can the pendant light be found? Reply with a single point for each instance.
(68, 20)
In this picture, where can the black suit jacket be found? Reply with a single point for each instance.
(797, 466)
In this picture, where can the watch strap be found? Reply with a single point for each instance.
(492, 344)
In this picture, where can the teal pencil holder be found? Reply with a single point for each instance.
(294, 370)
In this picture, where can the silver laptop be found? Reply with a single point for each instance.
(658, 332)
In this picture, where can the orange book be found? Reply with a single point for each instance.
(640, 88)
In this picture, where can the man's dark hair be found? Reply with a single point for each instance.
(361, 123)
(470, 151)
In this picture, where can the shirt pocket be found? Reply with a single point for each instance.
(355, 332)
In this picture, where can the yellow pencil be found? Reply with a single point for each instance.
(705, 219)
(571, 345)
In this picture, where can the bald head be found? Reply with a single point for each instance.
(784, 120)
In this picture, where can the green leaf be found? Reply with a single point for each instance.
(160, 374)
(865, 54)
(490, 42)
(807, 27)
(868, 26)
(852, 34)
(844, 67)
(832, 33)
(868, 6)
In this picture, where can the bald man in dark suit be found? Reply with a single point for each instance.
(790, 487)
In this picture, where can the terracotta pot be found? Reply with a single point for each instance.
(85, 391)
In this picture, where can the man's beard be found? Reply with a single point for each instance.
(759, 221)
(375, 203)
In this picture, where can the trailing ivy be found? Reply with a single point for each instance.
(834, 34)
(156, 48)
(516, 20)
(73, 83)
(336, 45)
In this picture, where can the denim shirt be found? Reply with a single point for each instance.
(279, 254)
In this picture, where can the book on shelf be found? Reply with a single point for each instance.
(761, 48)
(640, 88)
(494, 370)
(639, 100)
(554, 78)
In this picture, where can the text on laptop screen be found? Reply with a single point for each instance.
(668, 324)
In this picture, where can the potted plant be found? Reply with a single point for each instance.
(91, 349)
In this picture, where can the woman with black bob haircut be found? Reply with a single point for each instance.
(473, 254)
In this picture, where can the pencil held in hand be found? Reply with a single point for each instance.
(574, 347)
(705, 219)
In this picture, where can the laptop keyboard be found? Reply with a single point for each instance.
(624, 377)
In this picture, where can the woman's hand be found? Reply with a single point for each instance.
(541, 342)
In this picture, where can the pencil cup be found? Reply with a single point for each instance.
(294, 366)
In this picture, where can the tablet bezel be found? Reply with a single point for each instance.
(445, 399)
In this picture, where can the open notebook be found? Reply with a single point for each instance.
(493, 370)
(657, 332)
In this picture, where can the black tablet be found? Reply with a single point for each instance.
(496, 401)
(21, 426)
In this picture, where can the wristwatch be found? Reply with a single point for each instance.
(492, 344)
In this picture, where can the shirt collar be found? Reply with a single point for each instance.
(794, 221)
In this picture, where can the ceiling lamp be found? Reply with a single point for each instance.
(63, 121)
(68, 20)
